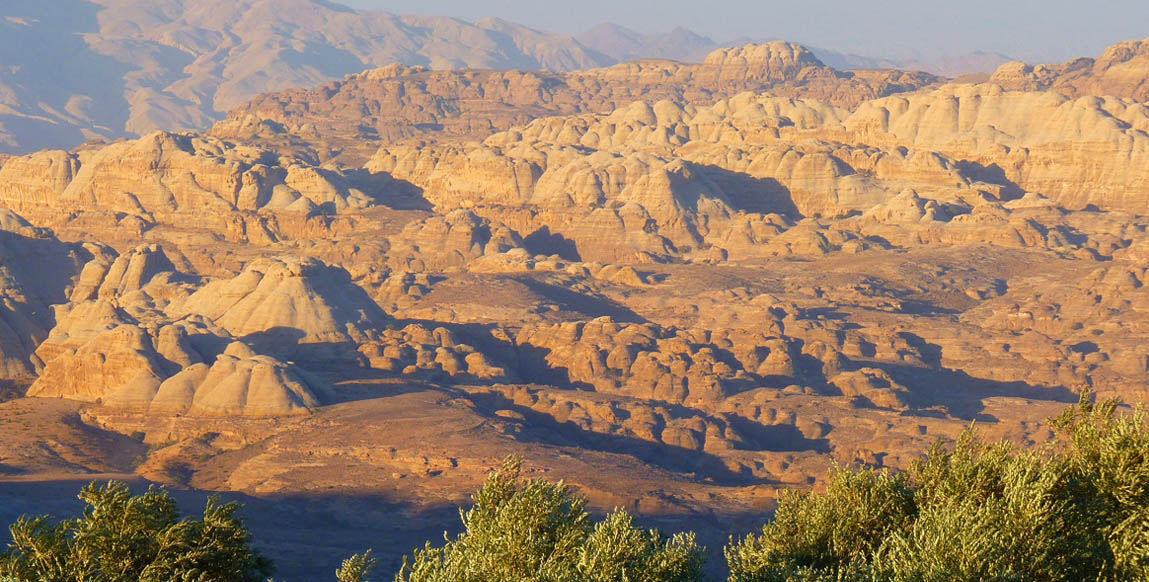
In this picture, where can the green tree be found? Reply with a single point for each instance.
(986, 513)
(1107, 485)
(122, 538)
(826, 536)
(533, 530)
(618, 551)
(1077, 509)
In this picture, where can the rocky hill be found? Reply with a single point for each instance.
(399, 103)
(1119, 72)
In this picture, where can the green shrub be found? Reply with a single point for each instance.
(1108, 485)
(985, 513)
(618, 551)
(126, 538)
(826, 536)
(356, 568)
(534, 530)
(1075, 510)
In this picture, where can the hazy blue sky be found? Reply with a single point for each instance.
(1036, 30)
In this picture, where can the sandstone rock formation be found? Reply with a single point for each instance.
(397, 102)
(128, 340)
(299, 308)
(676, 366)
(1043, 142)
(667, 180)
(416, 350)
(1119, 72)
(35, 272)
(246, 194)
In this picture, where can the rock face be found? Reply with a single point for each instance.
(1120, 72)
(1041, 141)
(455, 239)
(172, 173)
(690, 367)
(35, 270)
(140, 336)
(665, 180)
(776, 60)
(237, 192)
(239, 382)
(88, 69)
(397, 103)
(300, 308)
(96, 354)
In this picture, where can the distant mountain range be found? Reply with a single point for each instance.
(74, 70)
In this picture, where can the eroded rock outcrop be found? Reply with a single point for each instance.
(239, 192)
(415, 350)
(290, 306)
(127, 341)
(693, 366)
(35, 271)
(1121, 71)
(1043, 142)
(449, 241)
(396, 103)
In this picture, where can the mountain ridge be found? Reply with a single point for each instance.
(104, 69)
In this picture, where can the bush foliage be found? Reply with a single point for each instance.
(122, 537)
(1075, 510)
(126, 538)
(533, 530)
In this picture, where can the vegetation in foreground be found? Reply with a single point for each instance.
(536, 530)
(1075, 510)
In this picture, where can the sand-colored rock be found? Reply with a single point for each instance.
(417, 350)
(35, 272)
(240, 382)
(1122, 71)
(399, 103)
(295, 307)
(1043, 142)
(696, 367)
(165, 172)
(238, 193)
(114, 344)
(450, 240)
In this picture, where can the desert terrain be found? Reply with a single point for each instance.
(681, 287)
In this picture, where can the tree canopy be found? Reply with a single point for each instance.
(537, 531)
(1077, 509)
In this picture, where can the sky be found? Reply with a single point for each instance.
(1031, 30)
